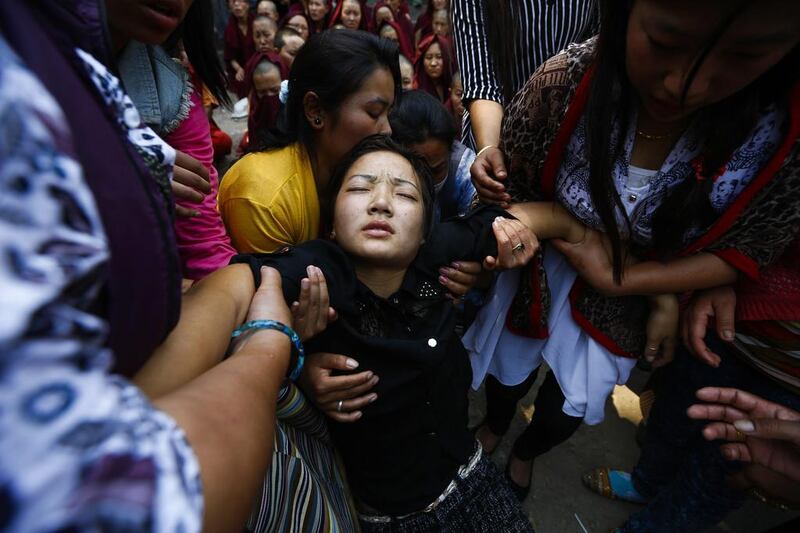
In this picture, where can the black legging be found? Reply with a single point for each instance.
(549, 427)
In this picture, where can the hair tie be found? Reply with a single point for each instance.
(283, 96)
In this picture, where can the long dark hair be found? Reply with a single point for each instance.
(383, 143)
(725, 124)
(421, 79)
(332, 64)
(501, 34)
(419, 117)
(197, 32)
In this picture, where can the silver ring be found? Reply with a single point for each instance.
(518, 247)
(339, 406)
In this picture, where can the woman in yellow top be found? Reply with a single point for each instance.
(341, 87)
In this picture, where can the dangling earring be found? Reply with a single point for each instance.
(333, 234)
(317, 121)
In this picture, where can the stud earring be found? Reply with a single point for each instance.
(333, 234)
(317, 121)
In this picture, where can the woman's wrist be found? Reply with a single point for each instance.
(271, 345)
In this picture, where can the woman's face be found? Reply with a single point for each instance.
(267, 9)
(317, 9)
(379, 212)
(383, 14)
(456, 93)
(145, 20)
(267, 83)
(432, 61)
(263, 36)
(351, 14)
(406, 75)
(239, 8)
(363, 113)
(441, 24)
(298, 23)
(387, 32)
(664, 38)
(437, 154)
(440, 4)
(291, 45)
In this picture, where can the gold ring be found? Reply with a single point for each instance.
(518, 247)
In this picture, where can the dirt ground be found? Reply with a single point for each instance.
(558, 502)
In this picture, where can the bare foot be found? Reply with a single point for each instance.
(519, 470)
(488, 440)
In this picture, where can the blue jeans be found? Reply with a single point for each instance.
(682, 474)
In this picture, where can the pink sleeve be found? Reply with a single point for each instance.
(203, 244)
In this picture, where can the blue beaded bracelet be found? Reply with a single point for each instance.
(292, 334)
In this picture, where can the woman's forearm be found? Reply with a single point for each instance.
(699, 271)
(228, 415)
(548, 220)
(210, 311)
(486, 117)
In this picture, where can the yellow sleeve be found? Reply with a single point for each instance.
(256, 228)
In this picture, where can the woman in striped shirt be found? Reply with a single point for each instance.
(498, 46)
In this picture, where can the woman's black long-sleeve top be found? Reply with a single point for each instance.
(409, 443)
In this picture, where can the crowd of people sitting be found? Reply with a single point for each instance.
(474, 196)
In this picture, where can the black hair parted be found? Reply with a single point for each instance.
(382, 143)
(197, 33)
(725, 126)
(418, 117)
(333, 65)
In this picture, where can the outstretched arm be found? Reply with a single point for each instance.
(210, 311)
(549, 220)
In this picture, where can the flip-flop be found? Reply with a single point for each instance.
(612, 484)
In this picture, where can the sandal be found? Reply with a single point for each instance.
(612, 484)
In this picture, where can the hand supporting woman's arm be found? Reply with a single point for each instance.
(549, 220)
(228, 413)
(700, 271)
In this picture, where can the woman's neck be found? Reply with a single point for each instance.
(654, 140)
(382, 281)
(321, 165)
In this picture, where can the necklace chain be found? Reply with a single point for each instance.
(650, 137)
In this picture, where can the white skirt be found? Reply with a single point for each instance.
(585, 370)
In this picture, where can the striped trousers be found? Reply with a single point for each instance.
(305, 488)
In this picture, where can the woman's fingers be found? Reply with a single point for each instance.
(193, 170)
(489, 189)
(736, 451)
(725, 413)
(186, 193)
(350, 405)
(348, 392)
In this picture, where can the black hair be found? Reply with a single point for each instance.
(418, 117)
(281, 34)
(725, 126)
(383, 143)
(333, 65)
(197, 33)
(501, 34)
